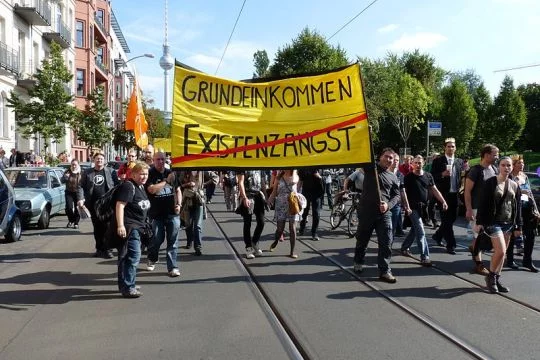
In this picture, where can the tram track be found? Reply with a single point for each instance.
(291, 341)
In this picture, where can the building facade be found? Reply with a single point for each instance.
(27, 28)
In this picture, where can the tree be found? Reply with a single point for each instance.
(406, 104)
(422, 67)
(123, 139)
(50, 107)
(458, 115)
(308, 53)
(261, 63)
(483, 104)
(93, 126)
(156, 124)
(509, 116)
(530, 94)
(471, 79)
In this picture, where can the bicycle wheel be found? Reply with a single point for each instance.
(335, 217)
(352, 222)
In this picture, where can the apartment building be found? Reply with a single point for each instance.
(27, 28)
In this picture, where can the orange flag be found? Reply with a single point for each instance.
(132, 109)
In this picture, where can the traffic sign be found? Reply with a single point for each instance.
(434, 128)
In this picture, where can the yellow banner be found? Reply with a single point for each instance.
(289, 123)
(162, 144)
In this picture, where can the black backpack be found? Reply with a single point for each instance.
(230, 180)
(104, 206)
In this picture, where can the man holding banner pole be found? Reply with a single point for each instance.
(381, 193)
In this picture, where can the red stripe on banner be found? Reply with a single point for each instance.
(216, 153)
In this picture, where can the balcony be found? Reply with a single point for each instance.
(100, 32)
(34, 12)
(60, 34)
(9, 59)
(102, 73)
(25, 78)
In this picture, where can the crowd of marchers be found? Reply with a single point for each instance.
(153, 203)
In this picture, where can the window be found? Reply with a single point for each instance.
(118, 91)
(100, 16)
(79, 37)
(99, 56)
(80, 83)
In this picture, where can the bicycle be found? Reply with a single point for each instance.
(339, 213)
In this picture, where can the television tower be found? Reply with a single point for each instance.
(166, 62)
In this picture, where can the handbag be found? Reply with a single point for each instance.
(146, 233)
(294, 204)
(484, 241)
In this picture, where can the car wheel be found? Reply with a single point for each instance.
(44, 219)
(14, 230)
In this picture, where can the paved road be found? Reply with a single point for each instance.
(57, 302)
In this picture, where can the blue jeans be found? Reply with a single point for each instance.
(382, 224)
(417, 231)
(165, 226)
(194, 230)
(128, 259)
(396, 219)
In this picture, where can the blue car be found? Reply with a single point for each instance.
(10, 215)
(39, 194)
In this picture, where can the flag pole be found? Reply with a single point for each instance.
(373, 163)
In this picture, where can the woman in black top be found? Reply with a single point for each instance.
(132, 206)
(73, 193)
(499, 214)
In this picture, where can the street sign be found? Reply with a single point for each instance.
(434, 128)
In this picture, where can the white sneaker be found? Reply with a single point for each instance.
(250, 253)
(150, 266)
(257, 251)
(174, 272)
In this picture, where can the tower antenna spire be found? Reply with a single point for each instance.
(166, 63)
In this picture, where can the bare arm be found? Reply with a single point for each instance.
(469, 185)
(120, 229)
(439, 196)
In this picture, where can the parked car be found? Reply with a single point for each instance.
(39, 193)
(83, 165)
(534, 179)
(10, 215)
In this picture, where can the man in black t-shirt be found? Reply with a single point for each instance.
(418, 185)
(312, 186)
(95, 182)
(165, 196)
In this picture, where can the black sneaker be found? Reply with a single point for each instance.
(108, 254)
(198, 252)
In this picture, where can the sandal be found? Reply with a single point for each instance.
(293, 256)
(273, 246)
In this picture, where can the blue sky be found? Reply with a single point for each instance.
(484, 35)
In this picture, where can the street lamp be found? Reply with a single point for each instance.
(151, 56)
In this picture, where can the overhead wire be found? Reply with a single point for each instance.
(350, 21)
(230, 37)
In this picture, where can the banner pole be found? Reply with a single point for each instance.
(373, 162)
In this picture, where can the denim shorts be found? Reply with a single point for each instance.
(499, 228)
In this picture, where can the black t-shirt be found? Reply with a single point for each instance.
(479, 175)
(137, 204)
(162, 202)
(417, 188)
(311, 184)
(100, 185)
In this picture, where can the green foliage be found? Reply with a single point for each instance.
(261, 63)
(49, 108)
(509, 116)
(308, 53)
(458, 115)
(483, 105)
(123, 139)
(530, 94)
(156, 124)
(93, 125)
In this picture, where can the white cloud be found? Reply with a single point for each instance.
(388, 28)
(202, 60)
(419, 40)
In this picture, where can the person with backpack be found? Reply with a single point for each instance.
(230, 189)
(446, 171)
(474, 183)
(193, 208)
(95, 183)
(131, 209)
(165, 197)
